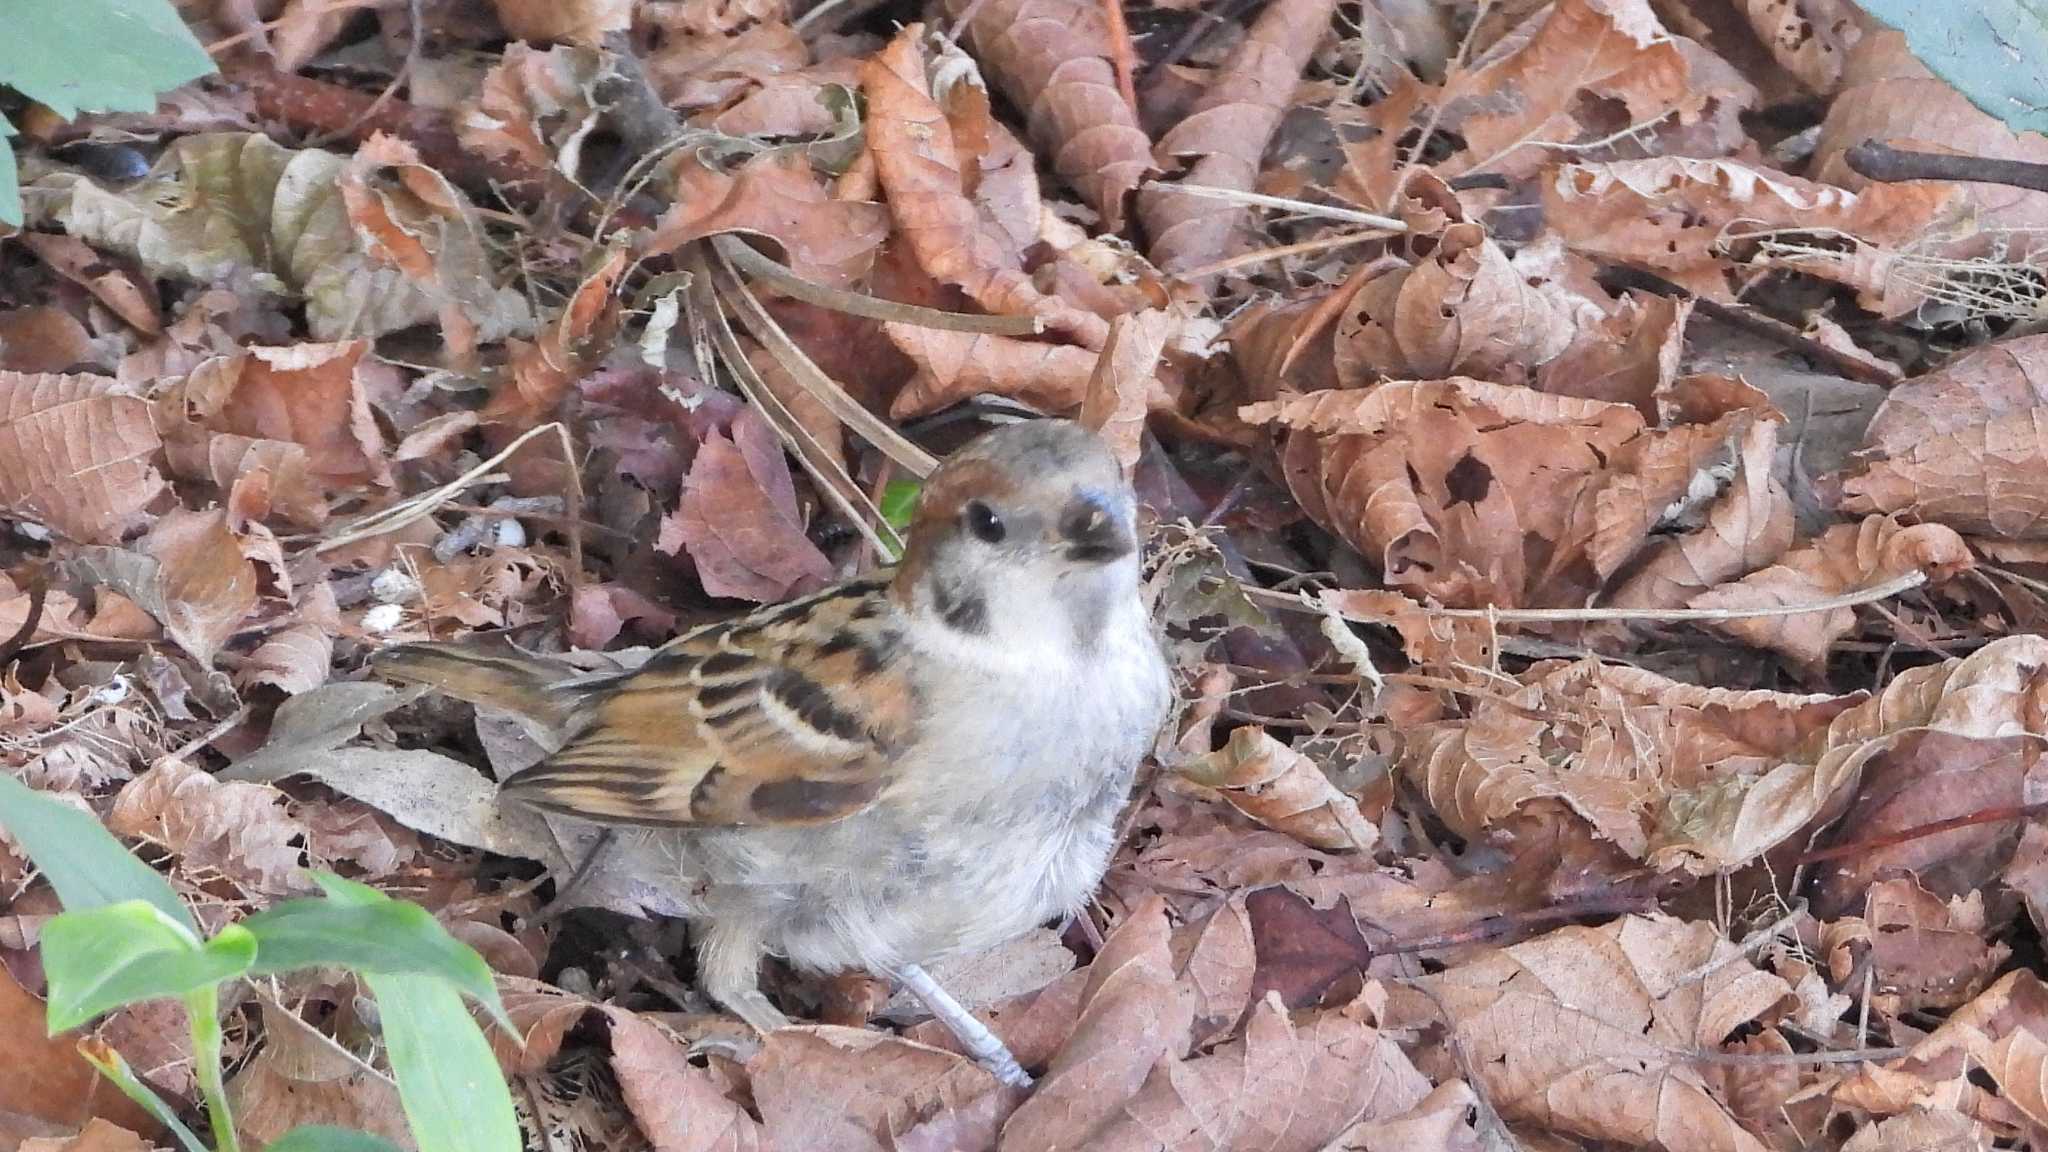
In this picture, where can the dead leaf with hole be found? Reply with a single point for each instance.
(1845, 559)
(243, 832)
(1587, 1031)
(1465, 309)
(1448, 486)
(739, 521)
(1715, 225)
(76, 454)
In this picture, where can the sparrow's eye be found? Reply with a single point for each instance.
(984, 523)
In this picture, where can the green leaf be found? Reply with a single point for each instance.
(322, 1138)
(83, 861)
(899, 502)
(387, 937)
(1994, 51)
(454, 1094)
(99, 959)
(109, 1062)
(98, 55)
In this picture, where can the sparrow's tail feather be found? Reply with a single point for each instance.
(534, 689)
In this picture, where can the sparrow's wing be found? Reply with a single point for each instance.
(790, 716)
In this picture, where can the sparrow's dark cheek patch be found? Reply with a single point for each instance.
(961, 609)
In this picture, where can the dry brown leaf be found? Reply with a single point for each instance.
(1920, 1131)
(301, 1077)
(679, 1107)
(1587, 1031)
(1135, 1016)
(2002, 1033)
(1282, 1087)
(1750, 524)
(293, 659)
(887, 1093)
(96, 1136)
(1465, 310)
(1124, 380)
(775, 195)
(1637, 740)
(1281, 788)
(543, 372)
(1684, 217)
(1053, 59)
(1630, 356)
(953, 366)
(1927, 777)
(1580, 76)
(535, 105)
(311, 396)
(47, 1079)
(194, 574)
(1926, 953)
(1959, 446)
(1727, 820)
(45, 339)
(697, 70)
(1221, 141)
(739, 519)
(1476, 493)
(77, 262)
(240, 831)
(928, 179)
(76, 454)
(1845, 558)
(580, 21)
(1437, 1123)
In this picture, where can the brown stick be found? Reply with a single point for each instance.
(1922, 831)
(1880, 161)
(1507, 923)
(1754, 323)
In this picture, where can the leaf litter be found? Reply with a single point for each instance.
(1597, 534)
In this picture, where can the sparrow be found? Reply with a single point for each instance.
(925, 761)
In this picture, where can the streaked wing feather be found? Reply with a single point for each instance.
(788, 716)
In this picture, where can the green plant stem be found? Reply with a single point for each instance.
(203, 1007)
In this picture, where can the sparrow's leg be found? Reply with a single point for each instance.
(729, 969)
(983, 1045)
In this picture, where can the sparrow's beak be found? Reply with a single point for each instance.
(1095, 531)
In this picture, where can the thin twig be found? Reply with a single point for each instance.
(1884, 591)
(1261, 200)
(1882, 162)
(1755, 323)
(1922, 831)
(1260, 256)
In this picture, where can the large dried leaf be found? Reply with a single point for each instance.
(76, 454)
(1052, 58)
(1683, 218)
(953, 366)
(928, 179)
(1475, 493)
(536, 105)
(774, 195)
(1588, 1031)
(222, 206)
(1845, 558)
(1749, 525)
(1221, 141)
(268, 401)
(242, 832)
(739, 520)
(1961, 446)
(1284, 790)
(680, 1107)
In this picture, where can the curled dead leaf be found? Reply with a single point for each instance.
(1282, 789)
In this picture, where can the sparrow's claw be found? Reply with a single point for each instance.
(984, 1046)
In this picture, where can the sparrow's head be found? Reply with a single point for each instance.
(1027, 517)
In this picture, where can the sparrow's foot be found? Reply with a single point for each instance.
(983, 1045)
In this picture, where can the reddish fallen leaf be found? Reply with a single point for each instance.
(48, 1080)
(75, 454)
(738, 519)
